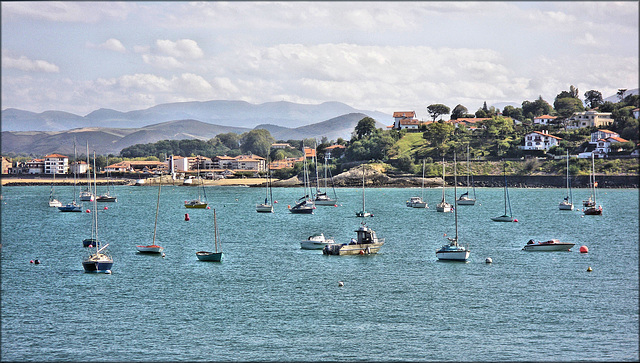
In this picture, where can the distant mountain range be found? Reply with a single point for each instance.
(223, 113)
(110, 140)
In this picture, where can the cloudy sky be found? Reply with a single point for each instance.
(386, 56)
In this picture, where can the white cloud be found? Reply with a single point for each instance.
(67, 11)
(114, 45)
(162, 61)
(183, 48)
(25, 64)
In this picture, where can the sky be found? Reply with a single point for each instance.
(385, 56)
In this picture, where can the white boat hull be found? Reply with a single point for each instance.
(549, 247)
(355, 249)
(445, 208)
(453, 255)
(150, 249)
(264, 208)
(466, 201)
(565, 206)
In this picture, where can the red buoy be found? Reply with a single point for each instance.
(362, 252)
(105, 208)
(186, 216)
(335, 205)
(584, 249)
(208, 207)
(88, 211)
(515, 220)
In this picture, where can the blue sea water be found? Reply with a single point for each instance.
(269, 300)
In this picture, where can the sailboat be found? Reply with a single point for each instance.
(153, 247)
(99, 261)
(505, 217)
(443, 206)
(321, 197)
(453, 251)
(107, 197)
(212, 256)
(86, 195)
(464, 197)
(592, 210)
(304, 205)
(199, 202)
(363, 213)
(419, 202)
(567, 204)
(267, 206)
(72, 206)
(53, 202)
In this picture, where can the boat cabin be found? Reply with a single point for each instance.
(366, 235)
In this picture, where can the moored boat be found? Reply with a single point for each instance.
(153, 247)
(567, 202)
(453, 251)
(418, 202)
(212, 256)
(590, 204)
(316, 242)
(367, 242)
(100, 261)
(505, 217)
(465, 199)
(550, 245)
(443, 206)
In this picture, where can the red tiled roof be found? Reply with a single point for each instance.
(617, 138)
(56, 156)
(607, 131)
(543, 134)
(337, 146)
(405, 114)
(547, 117)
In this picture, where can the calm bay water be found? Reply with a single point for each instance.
(270, 300)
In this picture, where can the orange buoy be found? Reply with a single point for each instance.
(186, 216)
(362, 252)
(584, 249)
(289, 206)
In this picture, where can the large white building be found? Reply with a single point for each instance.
(540, 140)
(56, 164)
(589, 119)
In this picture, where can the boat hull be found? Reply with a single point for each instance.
(362, 214)
(97, 264)
(593, 211)
(209, 256)
(352, 249)
(70, 208)
(565, 206)
(264, 208)
(302, 209)
(198, 205)
(150, 249)
(445, 208)
(466, 201)
(453, 255)
(106, 199)
(416, 203)
(549, 247)
(55, 203)
(330, 202)
(314, 245)
(502, 219)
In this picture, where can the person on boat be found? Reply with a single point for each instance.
(353, 241)
(530, 242)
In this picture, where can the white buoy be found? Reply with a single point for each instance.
(340, 283)
(108, 272)
(488, 260)
(163, 254)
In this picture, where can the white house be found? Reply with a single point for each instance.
(79, 167)
(601, 134)
(405, 120)
(589, 119)
(56, 164)
(605, 146)
(540, 140)
(544, 120)
(35, 166)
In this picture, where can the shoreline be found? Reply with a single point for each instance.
(491, 181)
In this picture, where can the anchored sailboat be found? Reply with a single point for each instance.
(99, 261)
(304, 205)
(73, 206)
(592, 210)
(86, 195)
(505, 217)
(443, 206)
(453, 251)
(363, 213)
(567, 203)
(464, 197)
(267, 206)
(212, 256)
(419, 202)
(153, 247)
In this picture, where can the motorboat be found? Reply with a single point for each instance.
(316, 242)
(550, 245)
(367, 242)
(416, 202)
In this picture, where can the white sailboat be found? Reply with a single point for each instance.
(86, 195)
(72, 206)
(53, 202)
(201, 201)
(465, 199)
(321, 197)
(363, 213)
(107, 197)
(567, 203)
(267, 206)
(505, 217)
(453, 251)
(443, 206)
(419, 202)
(153, 247)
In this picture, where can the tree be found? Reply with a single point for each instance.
(593, 98)
(480, 113)
(230, 140)
(437, 109)
(513, 112)
(538, 107)
(257, 142)
(458, 112)
(621, 93)
(365, 127)
(565, 107)
(438, 132)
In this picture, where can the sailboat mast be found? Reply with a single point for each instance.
(504, 173)
(215, 230)
(568, 190)
(455, 193)
(315, 158)
(593, 173)
(75, 170)
(422, 192)
(363, 210)
(468, 169)
(155, 226)
(95, 201)
(89, 171)
(443, 181)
